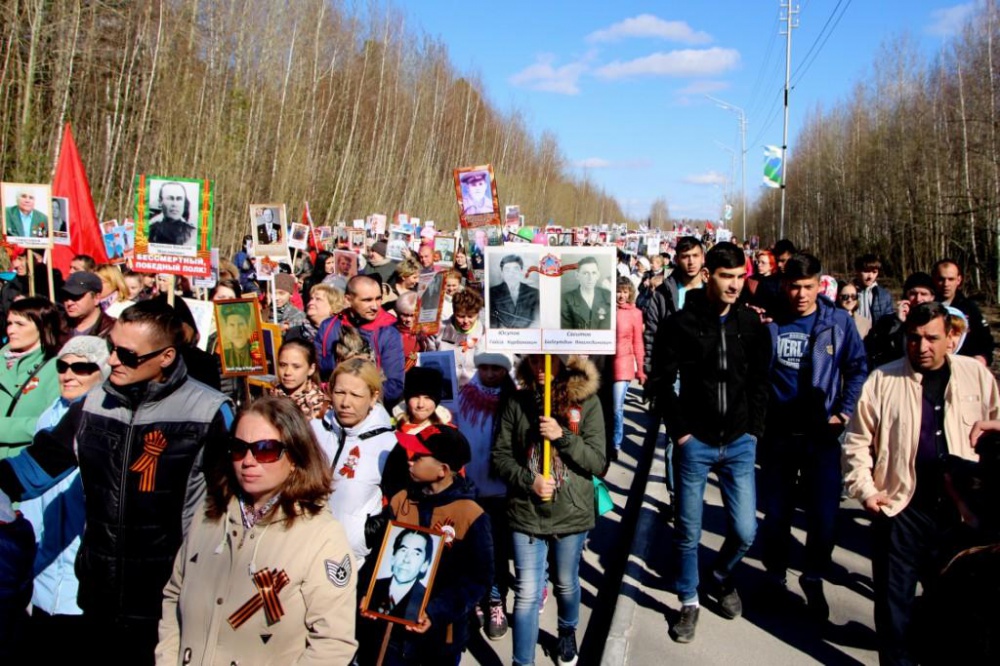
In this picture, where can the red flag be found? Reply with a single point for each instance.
(71, 182)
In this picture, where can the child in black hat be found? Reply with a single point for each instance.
(441, 499)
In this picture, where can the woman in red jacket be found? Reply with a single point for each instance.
(628, 353)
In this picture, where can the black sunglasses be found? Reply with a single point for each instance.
(129, 358)
(263, 450)
(78, 368)
(848, 297)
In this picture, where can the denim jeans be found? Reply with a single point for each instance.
(733, 464)
(530, 555)
(811, 462)
(620, 390)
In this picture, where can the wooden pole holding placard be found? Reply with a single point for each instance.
(274, 307)
(48, 269)
(385, 644)
(546, 444)
(30, 256)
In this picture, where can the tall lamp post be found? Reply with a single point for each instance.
(743, 146)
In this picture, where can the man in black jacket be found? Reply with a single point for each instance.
(141, 441)
(722, 353)
(978, 342)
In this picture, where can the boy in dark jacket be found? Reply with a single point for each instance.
(442, 500)
(721, 352)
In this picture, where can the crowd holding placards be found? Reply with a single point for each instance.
(364, 501)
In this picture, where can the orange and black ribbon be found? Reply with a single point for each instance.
(269, 583)
(153, 444)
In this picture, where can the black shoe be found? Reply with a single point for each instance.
(683, 630)
(496, 621)
(730, 604)
(567, 647)
(815, 599)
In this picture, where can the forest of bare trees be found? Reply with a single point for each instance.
(349, 109)
(908, 166)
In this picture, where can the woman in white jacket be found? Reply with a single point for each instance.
(356, 436)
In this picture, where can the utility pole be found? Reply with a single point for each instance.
(743, 147)
(789, 13)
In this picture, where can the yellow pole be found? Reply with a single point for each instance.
(547, 445)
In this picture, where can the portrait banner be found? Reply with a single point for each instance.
(550, 300)
(298, 239)
(399, 243)
(114, 241)
(269, 227)
(407, 563)
(174, 217)
(429, 302)
(378, 225)
(476, 193)
(322, 236)
(61, 223)
(27, 214)
(241, 344)
(213, 275)
(444, 251)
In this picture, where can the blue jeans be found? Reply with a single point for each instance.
(530, 555)
(811, 462)
(619, 391)
(733, 463)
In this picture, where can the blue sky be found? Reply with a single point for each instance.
(622, 83)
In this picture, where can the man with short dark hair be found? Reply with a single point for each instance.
(364, 312)
(874, 302)
(816, 377)
(979, 341)
(513, 303)
(589, 305)
(81, 298)
(141, 442)
(721, 352)
(172, 225)
(82, 263)
(886, 341)
(402, 593)
(913, 424)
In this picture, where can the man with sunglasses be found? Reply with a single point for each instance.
(140, 441)
(84, 316)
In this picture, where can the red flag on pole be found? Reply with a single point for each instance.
(85, 232)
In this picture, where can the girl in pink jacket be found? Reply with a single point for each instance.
(629, 358)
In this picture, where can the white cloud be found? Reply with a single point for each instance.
(647, 25)
(950, 20)
(707, 178)
(545, 76)
(703, 87)
(601, 163)
(684, 62)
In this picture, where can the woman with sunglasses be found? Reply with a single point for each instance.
(265, 574)
(28, 381)
(357, 437)
(58, 515)
(847, 299)
(298, 378)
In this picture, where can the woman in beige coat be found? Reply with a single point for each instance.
(266, 574)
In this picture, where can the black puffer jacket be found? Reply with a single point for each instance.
(724, 369)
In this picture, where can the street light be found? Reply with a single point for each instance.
(743, 144)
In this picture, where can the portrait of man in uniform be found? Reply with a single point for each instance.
(588, 306)
(24, 212)
(477, 195)
(513, 302)
(173, 218)
(236, 322)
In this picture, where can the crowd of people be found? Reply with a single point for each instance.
(153, 509)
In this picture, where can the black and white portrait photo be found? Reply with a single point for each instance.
(514, 301)
(404, 574)
(60, 221)
(587, 299)
(27, 214)
(269, 230)
(173, 216)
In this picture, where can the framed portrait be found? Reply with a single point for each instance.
(429, 303)
(445, 363)
(512, 217)
(358, 224)
(401, 219)
(476, 193)
(342, 236)
(399, 243)
(653, 245)
(114, 238)
(566, 238)
(632, 245)
(269, 227)
(271, 338)
(513, 298)
(587, 288)
(266, 267)
(322, 236)
(345, 264)
(27, 214)
(404, 573)
(213, 276)
(240, 339)
(357, 243)
(552, 240)
(60, 221)
(481, 238)
(174, 216)
(444, 251)
(378, 224)
(298, 237)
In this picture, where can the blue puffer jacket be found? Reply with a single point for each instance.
(839, 367)
(384, 340)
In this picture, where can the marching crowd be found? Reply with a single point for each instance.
(154, 510)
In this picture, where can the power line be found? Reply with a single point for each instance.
(804, 67)
(755, 91)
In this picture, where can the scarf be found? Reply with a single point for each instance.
(252, 516)
(13, 357)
